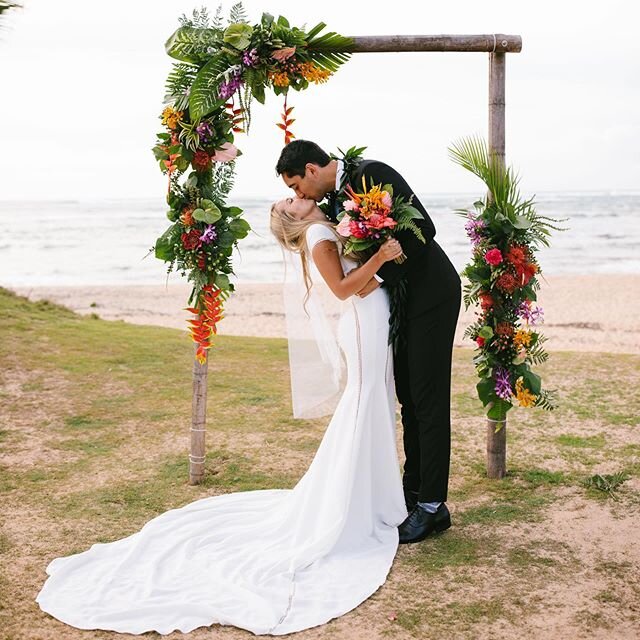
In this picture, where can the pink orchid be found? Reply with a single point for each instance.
(227, 153)
(386, 200)
(350, 205)
(283, 54)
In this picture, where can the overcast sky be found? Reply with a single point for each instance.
(82, 85)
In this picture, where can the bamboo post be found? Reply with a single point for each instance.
(496, 449)
(497, 440)
(198, 421)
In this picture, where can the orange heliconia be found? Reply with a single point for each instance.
(208, 313)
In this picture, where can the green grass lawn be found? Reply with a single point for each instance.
(94, 434)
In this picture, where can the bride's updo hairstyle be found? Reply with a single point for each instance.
(290, 234)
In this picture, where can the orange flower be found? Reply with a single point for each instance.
(374, 201)
(523, 395)
(171, 117)
(280, 79)
(187, 218)
(309, 71)
(208, 313)
(522, 338)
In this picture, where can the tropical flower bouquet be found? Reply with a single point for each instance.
(502, 276)
(370, 217)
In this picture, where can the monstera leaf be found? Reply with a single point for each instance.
(204, 91)
(189, 44)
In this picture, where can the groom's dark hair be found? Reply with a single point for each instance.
(296, 154)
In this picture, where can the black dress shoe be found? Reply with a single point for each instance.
(419, 524)
(410, 499)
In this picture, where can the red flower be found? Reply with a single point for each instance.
(486, 300)
(191, 240)
(507, 283)
(493, 256)
(357, 230)
(504, 329)
(480, 341)
(201, 160)
(526, 272)
(516, 255)
(202, 261)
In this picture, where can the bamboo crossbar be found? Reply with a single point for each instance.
(491, 43)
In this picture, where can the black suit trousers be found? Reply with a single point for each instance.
(422, 369)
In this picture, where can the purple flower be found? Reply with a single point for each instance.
(503, 383)
(250, 58)
(204, 132)
(227, 89)
(532, 316)
(474, 227)
(209, 235)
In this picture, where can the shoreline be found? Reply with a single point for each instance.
(582, 312)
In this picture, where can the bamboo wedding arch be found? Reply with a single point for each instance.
(497, 45)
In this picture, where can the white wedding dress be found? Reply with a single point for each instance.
(269, 561)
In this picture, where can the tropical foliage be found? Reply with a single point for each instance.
(502, 277)
(5, 5)
(221, 66)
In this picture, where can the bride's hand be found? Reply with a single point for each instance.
(390, 250)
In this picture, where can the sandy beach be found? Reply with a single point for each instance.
(582, 312)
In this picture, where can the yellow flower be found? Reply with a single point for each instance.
(524, 396)
(280, 79)
(309, 71)
(522, 338)
(170, 117)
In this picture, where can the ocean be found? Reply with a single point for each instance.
(108, 241)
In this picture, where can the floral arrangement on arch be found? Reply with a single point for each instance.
(222, 65)
(505, 232)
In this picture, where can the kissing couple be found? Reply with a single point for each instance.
(277, 561)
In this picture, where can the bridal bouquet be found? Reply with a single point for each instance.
(370, 217)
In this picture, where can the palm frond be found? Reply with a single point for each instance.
(329, 50)
(5, 5)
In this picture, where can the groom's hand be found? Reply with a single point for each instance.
(368, 288)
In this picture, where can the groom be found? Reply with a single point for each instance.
(422, 360)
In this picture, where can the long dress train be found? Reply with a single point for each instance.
(269, 561)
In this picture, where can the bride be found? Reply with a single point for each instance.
(269, 561)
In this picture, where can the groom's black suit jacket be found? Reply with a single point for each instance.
(431, 278)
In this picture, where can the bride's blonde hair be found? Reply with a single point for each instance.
(290, 234)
